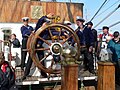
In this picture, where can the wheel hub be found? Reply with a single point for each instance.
(56, 48)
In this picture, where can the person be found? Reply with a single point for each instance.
(86, 41)
(14, 45)
(103, 39)
(90, 25)
(94, 32)
(7, 74)
(14, 41)
(26, 30)
(42, 22)
(64, 32)
(114, 46)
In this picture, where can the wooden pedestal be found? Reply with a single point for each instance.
(48, 88)
(106, 76)
(89, 88)
(69, 77)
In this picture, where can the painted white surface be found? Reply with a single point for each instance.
(1, 40)
(15, 27)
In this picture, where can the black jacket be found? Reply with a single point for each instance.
(94, 34)
(16, 43)
(86, 37)
(40, 22)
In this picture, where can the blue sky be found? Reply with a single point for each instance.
(90, 8)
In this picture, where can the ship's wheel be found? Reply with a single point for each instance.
(51, 40)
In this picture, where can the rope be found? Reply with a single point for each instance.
(107, 16)
(98, 10)
(114, 24)
(108, 8)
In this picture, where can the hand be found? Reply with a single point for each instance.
(50, 15)
(44, 24)
(26, 35)
(9, 40)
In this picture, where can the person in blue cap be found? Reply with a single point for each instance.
(86, 41)
(26, 30)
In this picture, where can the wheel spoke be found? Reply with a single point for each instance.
(44, 40)
(42, 49)
(66, 39)
(45, 57)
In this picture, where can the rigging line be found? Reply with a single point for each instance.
(98, 10)
(107, 16)
(106, 3)
(108, 8)
(114, 24)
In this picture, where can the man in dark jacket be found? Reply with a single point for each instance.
(26, 30)
(41, 22)
(89, 25)
(86, 41)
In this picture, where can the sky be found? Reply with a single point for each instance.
(91, 7)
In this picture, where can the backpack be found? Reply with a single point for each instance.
(9, 73)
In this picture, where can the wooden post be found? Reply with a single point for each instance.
(106, 76)
(90, 88)
(69, 77)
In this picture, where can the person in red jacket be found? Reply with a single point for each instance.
(103, 39)
(7, 75)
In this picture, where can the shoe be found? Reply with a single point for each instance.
(18, 66)
(28, 75)
(23, 78)
(43, 76)
(22, 68)
(92, 71)
(85, 69)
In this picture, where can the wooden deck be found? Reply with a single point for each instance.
(84, 75)
(38, 83)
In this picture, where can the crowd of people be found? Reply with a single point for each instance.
(90, 42)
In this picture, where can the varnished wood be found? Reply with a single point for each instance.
(69, 77)
(14, 10)
(106, 76)
(89, 88)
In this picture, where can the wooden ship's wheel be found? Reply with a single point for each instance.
(51, 39)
